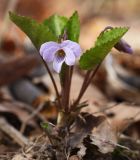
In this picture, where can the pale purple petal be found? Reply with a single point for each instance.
(75, 47)
(57, 64)
(48, 50)
(48, 45)
(70, 57)
(49, 54)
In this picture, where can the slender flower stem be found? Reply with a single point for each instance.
(64, 80)
(66, 89)
(86, 83)
(69, 85)
(54, 84)
(92, 76)
(82, 88)
(71, 73)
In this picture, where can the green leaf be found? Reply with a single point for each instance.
(73, 27)
(44, 125)
(38, 33)
(47, 126)
(105, 42)
(56, 23)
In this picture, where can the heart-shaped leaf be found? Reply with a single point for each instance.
(38, 33)
(105, 42)
(56, 23)
(73, 27)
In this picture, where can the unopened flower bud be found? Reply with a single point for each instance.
(123, 46)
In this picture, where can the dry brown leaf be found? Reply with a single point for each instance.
(22, 157)
(122, 82)
(49, 110)
(104, 137)
(17, 68)
(126, 111)
(8, 46)
(121, 125)
(130, 63)
(82, 127)
(82, 150)
(133, 130)
(16, 114)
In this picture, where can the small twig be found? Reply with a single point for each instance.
(33, 144)
(29, 108)
(35, 112)
(121, 146)
(109, 142)
(13, 133)
(122, 136)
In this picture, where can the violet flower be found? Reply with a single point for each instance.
(123, 46)
(58, 53)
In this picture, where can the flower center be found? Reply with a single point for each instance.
(60, 54)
